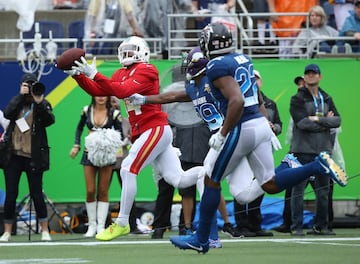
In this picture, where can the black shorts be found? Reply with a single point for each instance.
(84, 159)
(188, 192)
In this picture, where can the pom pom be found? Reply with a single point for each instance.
(102, 146)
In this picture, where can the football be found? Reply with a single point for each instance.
(68, 57)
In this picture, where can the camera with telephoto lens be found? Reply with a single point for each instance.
(37, 88)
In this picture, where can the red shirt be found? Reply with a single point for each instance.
(141, 78)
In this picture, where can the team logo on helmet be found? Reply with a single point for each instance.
(195, 63)
(216, 38)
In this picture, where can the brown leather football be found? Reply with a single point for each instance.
(68, 57)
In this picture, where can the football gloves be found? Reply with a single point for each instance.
(136, 99)
(216, 141)
(88, 69)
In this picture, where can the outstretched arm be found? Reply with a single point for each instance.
(163, 98)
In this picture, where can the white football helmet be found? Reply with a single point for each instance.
(133, 50)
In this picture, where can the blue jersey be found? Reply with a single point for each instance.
(240, 67)
(205, 104)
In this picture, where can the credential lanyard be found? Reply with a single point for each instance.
(25, 114)
(321, 101)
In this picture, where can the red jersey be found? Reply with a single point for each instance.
(141, 78)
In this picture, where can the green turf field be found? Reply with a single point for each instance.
(282, 248)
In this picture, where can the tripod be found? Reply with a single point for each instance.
(26, 202)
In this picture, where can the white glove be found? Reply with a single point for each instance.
(85, 68)
(216, 141)
(177, 151)
(136, 99)
(72, 72)
(275, 142)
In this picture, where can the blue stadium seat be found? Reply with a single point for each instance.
(45, 26)
(76, 30)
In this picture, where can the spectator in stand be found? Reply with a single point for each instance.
(156, 23)
(342, 10)
(263, 27)
(351, 27)
(200, 7)
(105, 19)
(306, 42)
(288, 27)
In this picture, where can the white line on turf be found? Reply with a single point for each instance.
(123, 242)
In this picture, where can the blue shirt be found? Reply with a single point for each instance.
(352, 23)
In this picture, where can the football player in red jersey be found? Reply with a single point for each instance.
(151, 134)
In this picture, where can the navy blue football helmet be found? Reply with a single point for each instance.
(216, 38)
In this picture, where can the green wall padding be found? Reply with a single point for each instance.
(65, 180)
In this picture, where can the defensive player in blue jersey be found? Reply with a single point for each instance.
(245, 133)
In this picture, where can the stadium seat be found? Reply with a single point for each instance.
(76, 30)
(45, 26)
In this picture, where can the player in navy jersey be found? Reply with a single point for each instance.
(245, 133)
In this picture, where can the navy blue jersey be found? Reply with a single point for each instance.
(240, 67)
(205, 103)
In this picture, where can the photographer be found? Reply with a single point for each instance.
(29, 114)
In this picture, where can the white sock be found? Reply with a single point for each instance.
(128, 193)
(261, 32)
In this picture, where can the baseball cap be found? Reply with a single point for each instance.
(297, 79)
(28, 77)
(257, 74)
(312, 67)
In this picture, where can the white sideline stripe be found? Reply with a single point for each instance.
(45, 261)
(330, 244)
(245, 240)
